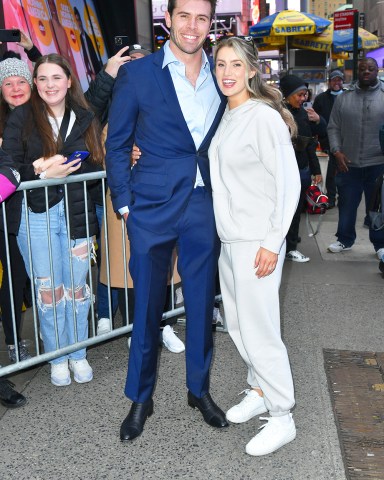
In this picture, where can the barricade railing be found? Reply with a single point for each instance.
(39, 356)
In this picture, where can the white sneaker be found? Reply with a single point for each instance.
(104, 325)
(274, 434)
(82, 371)
(171, 341)
(60, 376)
(251, 405)
(179, 296)
(380, 253)
(296, 256)
(338, 247)
(217, 318)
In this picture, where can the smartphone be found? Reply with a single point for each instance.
(10, 35)
(79, 154)
(121, 41)
(307, 104)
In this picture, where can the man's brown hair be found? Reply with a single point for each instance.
(172, 6)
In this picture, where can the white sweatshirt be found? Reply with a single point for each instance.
(254, 175)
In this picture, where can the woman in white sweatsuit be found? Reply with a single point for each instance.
(256, 186)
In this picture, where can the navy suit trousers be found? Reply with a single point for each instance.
(194, 234)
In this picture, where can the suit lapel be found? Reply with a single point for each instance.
(167, 88)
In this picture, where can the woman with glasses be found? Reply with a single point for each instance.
(256, 185)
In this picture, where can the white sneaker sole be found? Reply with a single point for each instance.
(173, 350)
(339, 251)
(266, 451)
(233, 419)
(81, 379)
(298, 260)
(58, 383)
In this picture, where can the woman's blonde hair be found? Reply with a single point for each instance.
(247, 52)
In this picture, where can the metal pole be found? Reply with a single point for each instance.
(287, 54)
(355, 43)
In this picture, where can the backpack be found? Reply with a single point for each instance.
(317, 204)
(375, 209)
(317, 201)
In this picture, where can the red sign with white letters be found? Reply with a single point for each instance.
(343, 20)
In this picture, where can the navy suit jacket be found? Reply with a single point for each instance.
(145, 110)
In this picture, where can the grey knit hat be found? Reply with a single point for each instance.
(13, 67)
(336, 73)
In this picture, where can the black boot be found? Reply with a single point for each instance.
(8, 396)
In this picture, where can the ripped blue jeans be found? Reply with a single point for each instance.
(60, 323)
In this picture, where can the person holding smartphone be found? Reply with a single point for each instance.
(309, 123)
(56, 122)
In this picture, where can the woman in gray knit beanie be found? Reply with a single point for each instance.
(15, 85)
(15, 88)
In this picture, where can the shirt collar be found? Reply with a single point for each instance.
(169, 57)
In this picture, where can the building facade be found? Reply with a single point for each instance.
(324, 8)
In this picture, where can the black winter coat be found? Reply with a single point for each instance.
(25, 151)
(323, 105)
(305, 146)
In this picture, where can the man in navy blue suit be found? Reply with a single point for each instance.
(169, 105)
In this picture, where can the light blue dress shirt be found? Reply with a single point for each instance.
(199, 104)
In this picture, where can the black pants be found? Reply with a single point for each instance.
(19, 279)
(293, 232)
(330, 180)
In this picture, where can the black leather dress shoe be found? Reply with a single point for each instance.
(212, 414)
(133, 425)
(9, 397)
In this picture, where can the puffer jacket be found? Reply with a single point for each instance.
(354, 125)
(323, 105)
(24, 151)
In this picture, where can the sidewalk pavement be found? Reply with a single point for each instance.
(334, 301)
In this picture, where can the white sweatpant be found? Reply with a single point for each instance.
(252, 312)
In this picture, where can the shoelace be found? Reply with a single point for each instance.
(265, 424)
(6, 388)
(246, 391)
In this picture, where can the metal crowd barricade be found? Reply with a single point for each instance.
(93, 339)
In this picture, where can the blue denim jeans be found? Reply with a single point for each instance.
(71, 323)
(350, 186)
(102, 290)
